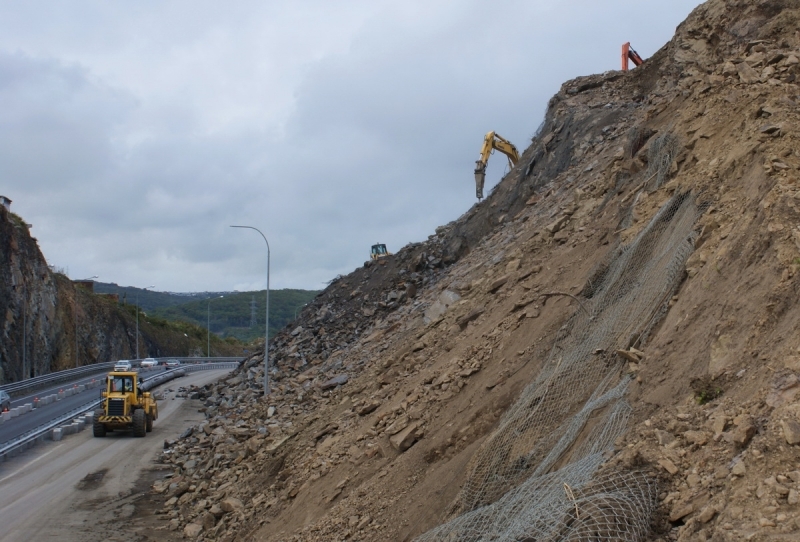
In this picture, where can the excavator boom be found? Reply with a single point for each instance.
(491, 142)
(629, 54)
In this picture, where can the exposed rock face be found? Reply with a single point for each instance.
(713, 387)
(28, 306)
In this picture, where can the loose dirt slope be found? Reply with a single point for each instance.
(605, 349)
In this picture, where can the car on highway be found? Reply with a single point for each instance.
(123, 365)
(5, 401)
(173, 363)
(148, 362)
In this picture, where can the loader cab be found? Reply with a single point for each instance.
(120, 383)
(379, 251)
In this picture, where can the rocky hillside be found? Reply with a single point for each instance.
(606, 348)
(44, 311)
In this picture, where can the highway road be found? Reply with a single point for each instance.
(21, 424)
(75, 489)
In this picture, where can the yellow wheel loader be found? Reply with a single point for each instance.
(491, 142)
(125, 406)
(379, 251)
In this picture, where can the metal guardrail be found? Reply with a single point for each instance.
(237, 359)
(58, 376)
(28, 438)
(30, 384)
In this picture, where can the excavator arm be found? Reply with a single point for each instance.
(491, 142)
(629, 54)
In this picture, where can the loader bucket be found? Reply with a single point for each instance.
(480, 177)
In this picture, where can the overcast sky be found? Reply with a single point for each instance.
(132, 134)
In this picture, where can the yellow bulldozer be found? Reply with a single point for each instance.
(126, 406)
(491, 142)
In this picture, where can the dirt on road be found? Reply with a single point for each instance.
(86, 489)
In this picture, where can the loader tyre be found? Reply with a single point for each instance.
(139, 423)
(149, 424)
(98, 429)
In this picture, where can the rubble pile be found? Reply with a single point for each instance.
(398, 373)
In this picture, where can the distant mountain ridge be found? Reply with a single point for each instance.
(231, 314)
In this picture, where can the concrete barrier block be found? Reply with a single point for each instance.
(60, 395)
(14, 412)
(27, 407)
(57, 434)
(6, 415)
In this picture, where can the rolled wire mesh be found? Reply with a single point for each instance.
(662, 152)
(536, 471)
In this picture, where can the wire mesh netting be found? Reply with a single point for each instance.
(662, 152)
(537, 476)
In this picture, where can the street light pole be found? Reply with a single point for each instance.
(208, 326)
(24, 331)
(137, 320)
(266, 336)
(76, 320)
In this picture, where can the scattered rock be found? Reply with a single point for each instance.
(231, 504)
(669, 466)
(791, 431)
(744, 432)
(338, 380)
(192, 530)
(403, 440)
(747, 74)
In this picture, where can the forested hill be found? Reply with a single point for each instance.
(238, 314)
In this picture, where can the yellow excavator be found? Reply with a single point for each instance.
(491, 142)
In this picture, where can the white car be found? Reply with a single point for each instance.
(148, 362)
(123, 365)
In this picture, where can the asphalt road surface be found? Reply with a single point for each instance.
(45, 413)
(63, 490)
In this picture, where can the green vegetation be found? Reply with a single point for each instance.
(230, 315)
(148, 299)
(230, 312)
(706, 389)
(706, 396)
(17, 220)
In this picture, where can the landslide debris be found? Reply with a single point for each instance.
(403, 376)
